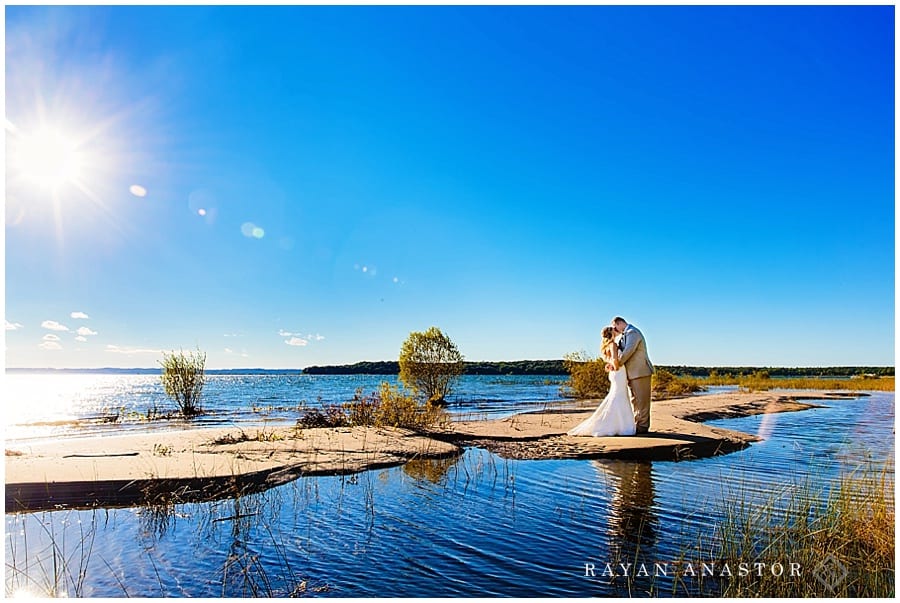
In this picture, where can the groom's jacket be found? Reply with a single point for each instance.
(633, 354)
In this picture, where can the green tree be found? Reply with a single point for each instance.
(183, 379)
(430, 363)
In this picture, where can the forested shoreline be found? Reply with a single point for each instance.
(556, 367)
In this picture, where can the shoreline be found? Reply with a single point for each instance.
(193, 465)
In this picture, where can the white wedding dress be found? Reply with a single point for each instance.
(614, 416)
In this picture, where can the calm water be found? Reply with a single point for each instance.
(474, 526)
(40, 406)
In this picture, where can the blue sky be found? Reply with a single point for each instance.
(289, 186)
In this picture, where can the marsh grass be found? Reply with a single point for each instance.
(840, 537)
(53, 566)
(761, 381)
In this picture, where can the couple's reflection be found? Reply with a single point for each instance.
(632, 525)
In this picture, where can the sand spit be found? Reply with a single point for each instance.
(207, 464)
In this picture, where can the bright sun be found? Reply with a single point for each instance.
(49, 158)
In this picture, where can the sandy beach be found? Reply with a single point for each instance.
(206, 464)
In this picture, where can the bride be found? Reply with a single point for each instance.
(615, 415)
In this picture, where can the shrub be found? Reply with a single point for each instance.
(362, 409)
(430, 363)
(183, 380)
(667, 385)
(391, 407)
(328, 416)
(588, 377)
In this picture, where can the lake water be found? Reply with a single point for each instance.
(45, 405)
(478, 525)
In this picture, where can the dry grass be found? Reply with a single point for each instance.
(761, 381)
(843, 547)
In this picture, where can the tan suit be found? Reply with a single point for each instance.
(633, 355)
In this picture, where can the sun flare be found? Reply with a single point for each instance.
(49, 158)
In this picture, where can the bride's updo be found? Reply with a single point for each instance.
(608, 334)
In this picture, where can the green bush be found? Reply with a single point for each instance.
(183, 380)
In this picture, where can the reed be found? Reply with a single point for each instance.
(802, 542)
(761, 381)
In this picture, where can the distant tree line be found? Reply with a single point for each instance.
(391, 367)
(557, 367)
(518, 367)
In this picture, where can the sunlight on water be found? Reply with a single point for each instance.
(475, 525)
(39, 405)
(44, 405)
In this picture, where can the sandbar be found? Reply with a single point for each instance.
(189, 465)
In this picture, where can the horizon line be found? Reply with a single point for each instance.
(259, 368)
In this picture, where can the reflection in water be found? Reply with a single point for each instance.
(632, 524)
(479, 525)
(432, 470)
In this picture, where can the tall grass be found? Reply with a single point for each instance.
(761, 381)
(840, 543)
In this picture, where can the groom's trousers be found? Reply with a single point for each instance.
(640, 399)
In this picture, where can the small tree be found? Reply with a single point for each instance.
(430, 363)
(183, 380)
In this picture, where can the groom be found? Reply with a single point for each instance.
(633, 355)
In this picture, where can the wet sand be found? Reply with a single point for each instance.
(206, 464)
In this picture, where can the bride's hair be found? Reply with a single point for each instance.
(609, 335)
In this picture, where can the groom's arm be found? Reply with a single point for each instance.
(633, 339)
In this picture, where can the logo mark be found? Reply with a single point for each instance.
(830, 573)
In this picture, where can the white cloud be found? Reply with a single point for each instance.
(54, 326)
(283, 333)
(318, 337)
(51, 337)
(12, 326)
(120, 349)
(229, 351)
(81, 315)
(50, 345)
(80, 338)
(85, 331)
(296, 341)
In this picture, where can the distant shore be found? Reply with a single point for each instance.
(205, 464)
(516, 367)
